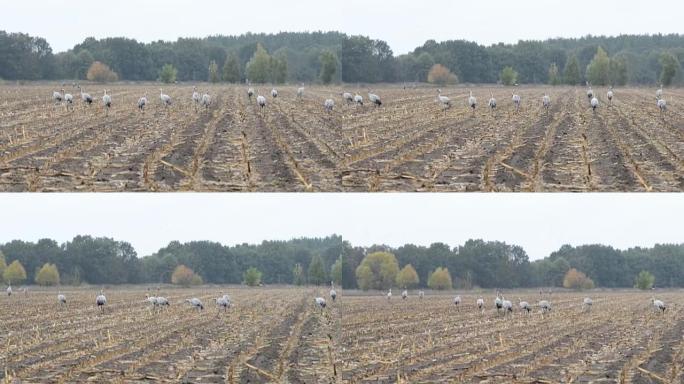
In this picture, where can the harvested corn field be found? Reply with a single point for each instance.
(267, 335)
(621, 339)
(409, 143)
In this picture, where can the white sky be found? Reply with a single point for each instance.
(540, 223)
(404, 24)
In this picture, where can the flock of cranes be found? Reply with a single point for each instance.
(204, 100)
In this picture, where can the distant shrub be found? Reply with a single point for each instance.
(252, 277)
(407, 277)
(575, 279)
(101, 73)
(508, 76)
(185, 277)
(440, 279)
(168, 74)
(14, 273)
(645, 280)
(440, 74)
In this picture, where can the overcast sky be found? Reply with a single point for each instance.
(540, 223)
(404, 24)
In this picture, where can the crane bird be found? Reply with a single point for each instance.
(196, 303)
(546, 102)
(516, 101)
(445, 101)
(498, 303)
(457, 301)
(196, 97)
(206, 101)
(223, 302)
(659, 305)
(163, 301)
(165, 99)
(107, 101)
(662, 105)
(57, 97)
(421, 294)
(587, 303)
(659, 92)
(151, 299)
(480, 304)
(358, 99)
(524, 305)
(329, 105)
(404, 294)
(142, 102)
(274, 93)
(492, 102)
(545, 306)
(348, 98)
(389, 295)
(61, 299)
(261, 101)
(320, 303)
(333, 293)
(300, 92)
(472, 101)
(610, 96)
(9, 290)
(85, 96)
(250, 93)
(590, 92)
(375, 99)
(101, 300)
(594, 104)
(69, 99)
(507, 306)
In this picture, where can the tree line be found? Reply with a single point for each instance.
(336, 57)
(318, 261)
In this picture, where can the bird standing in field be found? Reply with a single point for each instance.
(57, 97)
(443, 100)
(261, 101)
(480, 304)
(492, 102)
(329, 105)
(659, 92)
(107, 102)
(206, 101)
(594, 104)
(196, 303)
(590, 92)
(546, 102)
(300, 92)
(85, 97)
(69, 99)
(524, 305)
(587, 303)
(348, 98)
(516, 101)
(142, 102)
(457, 301)
(545, 306)
(250, 93)
(662, 105)
(333, 292)
(498, 303)
(358, 99)
(320, 303)
(196, 98)
(507, 306)
(375, 99)
(659, 305)
(101, 301)
(421, 294)
(274, 93)
(223, 302)
(61, 299)
(404, 294)
(9, 290)
(389, 295)
(610, 96)
(165, 99)
(472, 102)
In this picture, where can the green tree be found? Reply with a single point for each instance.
(669, 68)
(407, 277)
(424, 63)
(508, 76)
(3, 264)
(278, 67)
(618, 71)
(168, 74)
(598, 70)
(571, 76)
(48, 275)
(644, 280)
(328, 61)
(377, 270)
(231, 69)
(554, 76)
(440, 279)
(259, 67)
(14, 273)
(298, 275)
(336, 272)
(317, 270)
(214, 75)
(252, 277)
